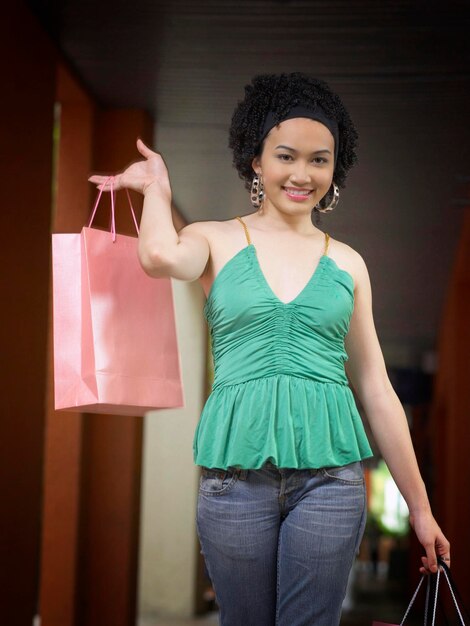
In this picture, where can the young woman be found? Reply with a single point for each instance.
(281, 506)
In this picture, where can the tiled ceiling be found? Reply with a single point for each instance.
(187, 61)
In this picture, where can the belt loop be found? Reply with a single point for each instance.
(242, 473)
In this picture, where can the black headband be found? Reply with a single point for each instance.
(316, 112)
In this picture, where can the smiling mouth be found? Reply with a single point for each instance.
(301, 193)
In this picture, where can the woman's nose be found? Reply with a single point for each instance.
(300, 174)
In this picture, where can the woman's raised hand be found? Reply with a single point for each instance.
(140, 175)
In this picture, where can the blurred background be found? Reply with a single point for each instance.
(97, 512)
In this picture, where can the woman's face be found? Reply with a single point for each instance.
(297, 164)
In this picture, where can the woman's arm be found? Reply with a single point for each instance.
(162, 250)
(368, 375)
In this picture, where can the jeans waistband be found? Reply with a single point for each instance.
(284, 470)
(243, 473)
(221, 473)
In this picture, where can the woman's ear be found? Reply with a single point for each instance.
(255, 164)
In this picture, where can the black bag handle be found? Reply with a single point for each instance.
(459, 606)
(431, 599)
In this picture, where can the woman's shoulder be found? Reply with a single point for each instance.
(347, 258)
(209, 228)
(224, 242)
(342, 248)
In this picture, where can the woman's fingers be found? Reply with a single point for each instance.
(443, 548)
(431, 557)
(106, 182)
(446, 558)
(426, 568)
(97, 179)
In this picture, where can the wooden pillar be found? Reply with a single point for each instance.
(63, 437)
(69, 484)
(450, 413)
(26, 109)
(92, 464)
(112, 445)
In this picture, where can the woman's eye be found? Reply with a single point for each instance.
(288, 157)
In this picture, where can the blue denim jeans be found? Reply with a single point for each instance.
(279, 543)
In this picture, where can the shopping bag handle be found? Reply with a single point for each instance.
(113, 218)
(453, 588)
(414, 598)
(448, 577)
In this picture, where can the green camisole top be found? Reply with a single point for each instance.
(280, 391)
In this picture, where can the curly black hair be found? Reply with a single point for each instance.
(279, 93)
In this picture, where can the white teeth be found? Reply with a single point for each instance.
(297, 193)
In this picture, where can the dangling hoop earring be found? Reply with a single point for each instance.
(333, 203)
(257, 191)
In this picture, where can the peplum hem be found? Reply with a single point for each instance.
(291, 421)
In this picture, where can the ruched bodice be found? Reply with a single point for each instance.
(280, 391)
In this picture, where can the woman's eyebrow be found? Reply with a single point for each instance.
(293, 149)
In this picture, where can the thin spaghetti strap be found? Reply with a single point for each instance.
(246, 229)
(327, 241)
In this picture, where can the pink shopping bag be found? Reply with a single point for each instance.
(115, 343)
